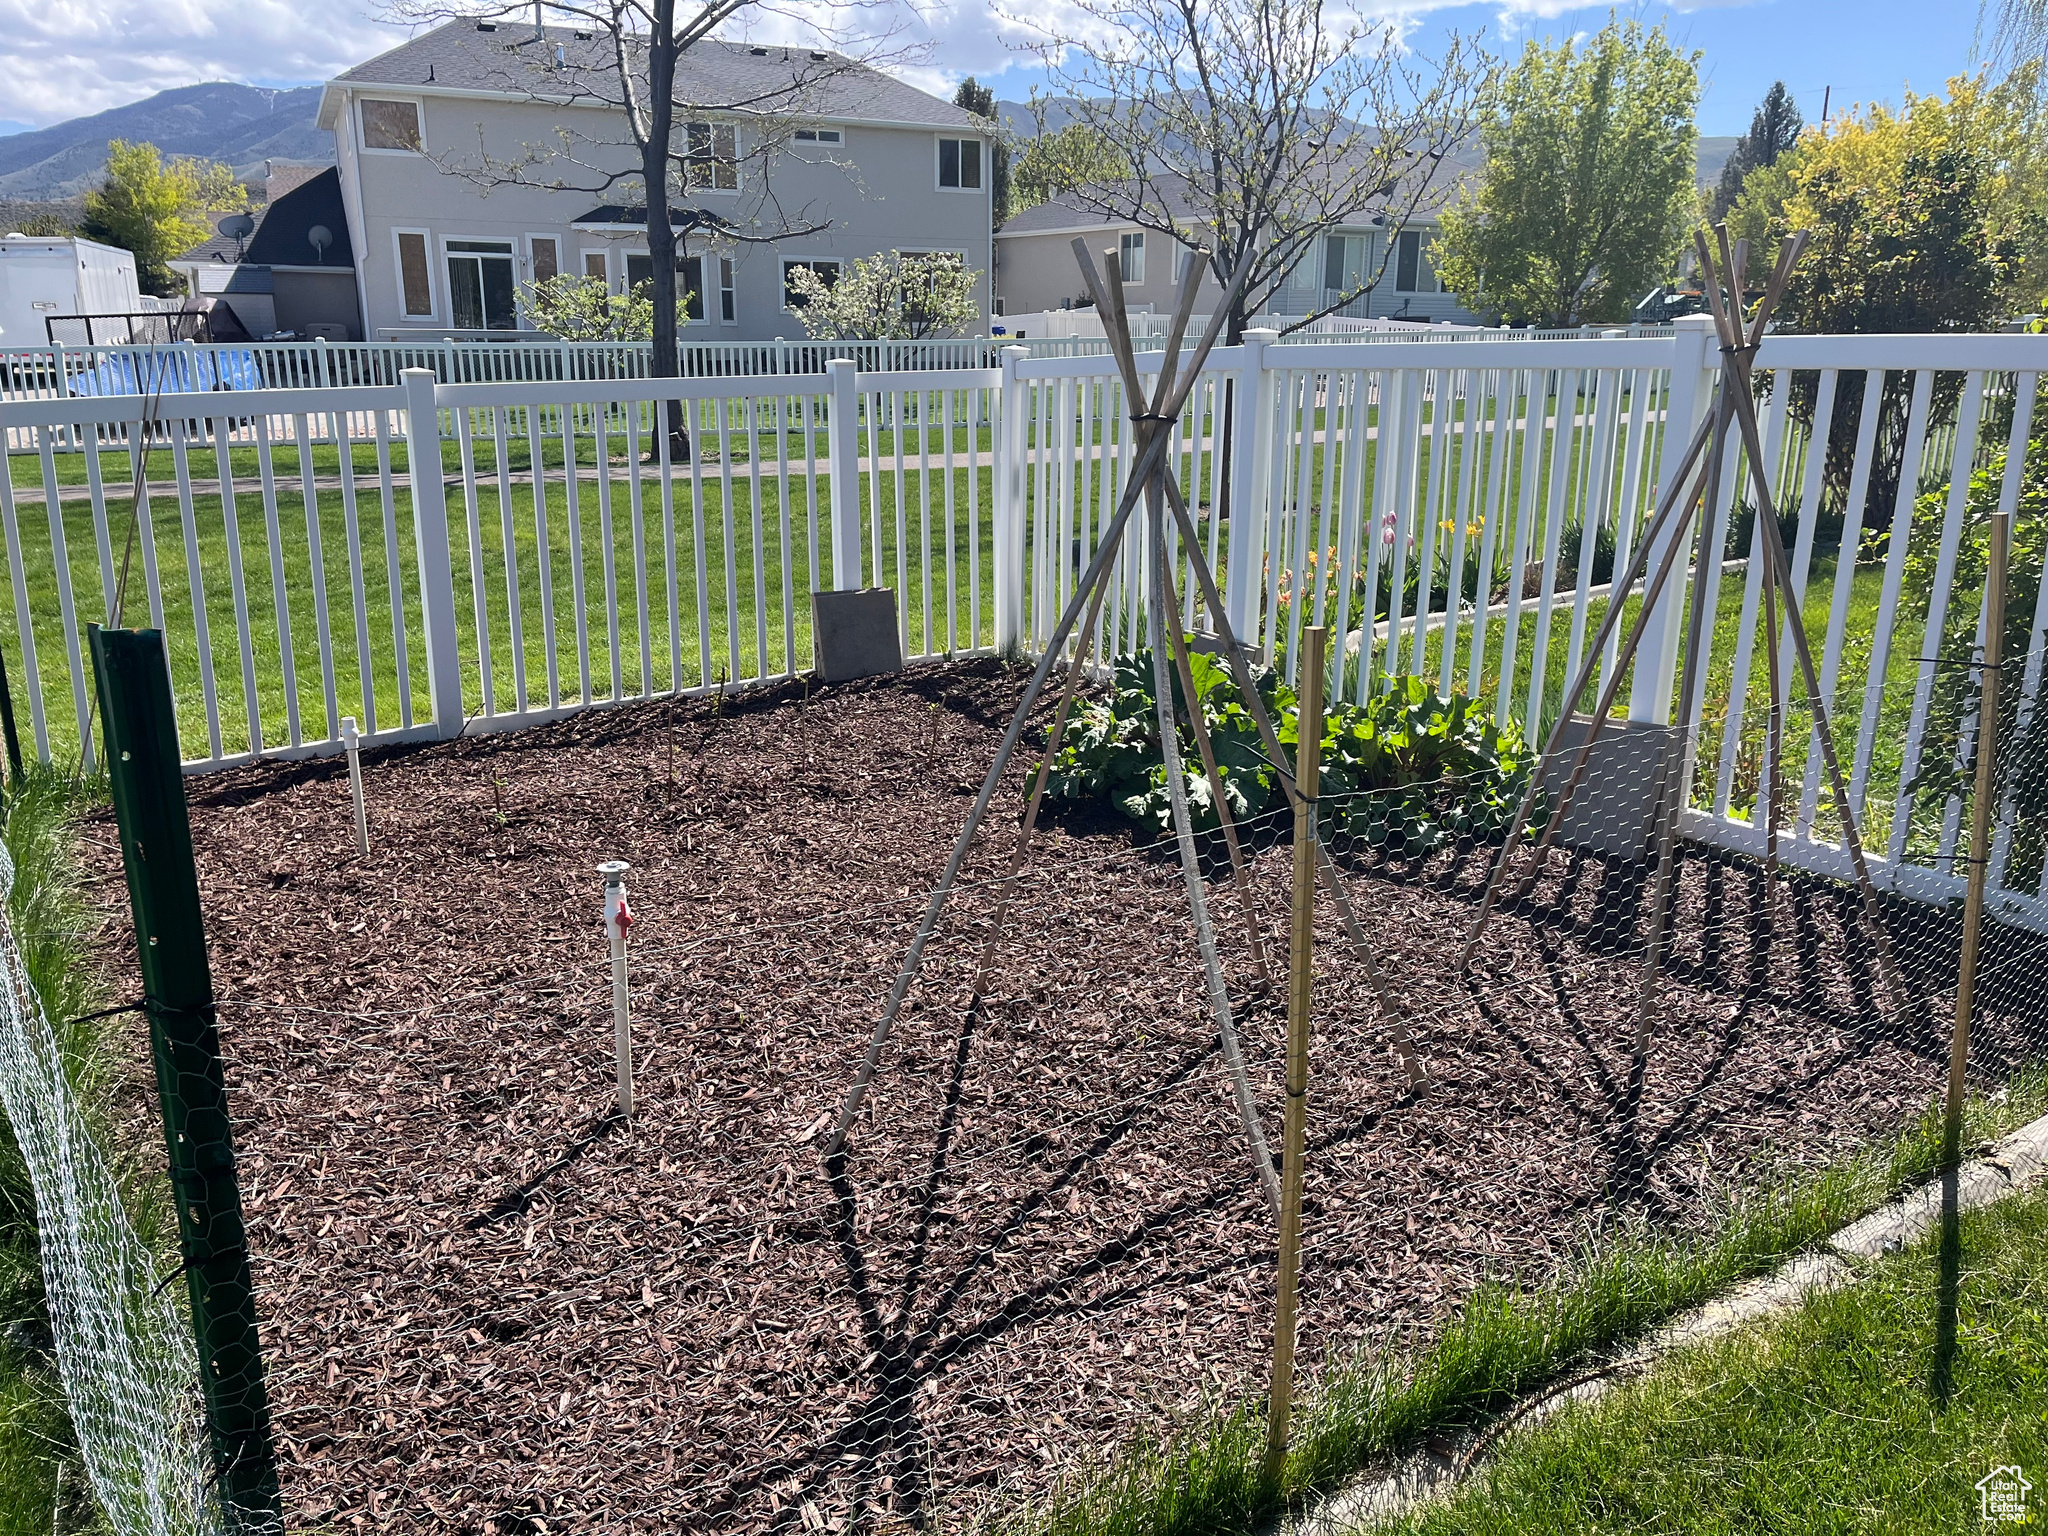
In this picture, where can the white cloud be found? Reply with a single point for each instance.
(68, 58)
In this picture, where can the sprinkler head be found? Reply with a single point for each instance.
(614, 871)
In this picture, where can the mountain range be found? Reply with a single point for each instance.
(242, 125)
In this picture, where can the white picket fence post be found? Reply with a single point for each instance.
(1695, 358)
(1251, 466)
(1008, 484)
(430, 538)
(842, 441)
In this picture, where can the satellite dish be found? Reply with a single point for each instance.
(320, 237)
(237, 226)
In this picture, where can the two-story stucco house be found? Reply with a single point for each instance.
(1035, 269)
(472, 165)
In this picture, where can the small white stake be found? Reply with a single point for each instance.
(618, 917)
(352, 741)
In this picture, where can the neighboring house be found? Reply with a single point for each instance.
(1035, 268)
(295, 275)
(447, 246)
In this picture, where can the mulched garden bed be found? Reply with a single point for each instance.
(488, 1306)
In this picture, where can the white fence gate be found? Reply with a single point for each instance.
(1455, 507)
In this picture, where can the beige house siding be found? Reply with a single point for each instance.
(1035, 270)
(877, 192)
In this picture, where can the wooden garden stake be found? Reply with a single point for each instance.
(618, 917)
(1307, 755)
(351, 742)
(1980, 846)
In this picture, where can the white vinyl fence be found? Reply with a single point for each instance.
(1455, 507)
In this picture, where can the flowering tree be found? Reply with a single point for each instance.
(579, 308)
(892, 297)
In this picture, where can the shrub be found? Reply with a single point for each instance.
(1404, 771)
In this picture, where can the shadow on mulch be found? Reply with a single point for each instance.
(489, 1306)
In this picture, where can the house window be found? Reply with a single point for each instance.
(595, 265)
(713, 161)
(480, 286)
(392, 125)
(1130, 250)
(1182, 255)
(960, 164)
(1343, 263)
(819, 136)
(547, 260)
(415, 288)
(689, 281)
(1407, 261)
(828, 271)
(728, 306)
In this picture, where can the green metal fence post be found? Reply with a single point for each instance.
(147, 781)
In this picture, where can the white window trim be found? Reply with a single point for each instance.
(796, 137)
(512, 253)
(362, 140)
(433, 313)
(561, 247)
(604, 253)
(1123, 238)
(739, 177)
(683, 320)
(962, 138)
(725, 263)
(782, 275)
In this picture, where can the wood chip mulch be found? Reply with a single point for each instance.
(490, 1307)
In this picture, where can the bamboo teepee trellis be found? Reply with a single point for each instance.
(1694, 488)
(1153, 415)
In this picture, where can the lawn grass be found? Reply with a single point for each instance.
(1505, 1341)
(43, 1487)
(1819, 1421)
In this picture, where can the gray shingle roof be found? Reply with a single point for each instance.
(711, 74)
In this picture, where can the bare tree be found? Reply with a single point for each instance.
(676, 123)
(1255, 127)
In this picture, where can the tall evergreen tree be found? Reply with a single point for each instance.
(981, 101)
(1774, 129)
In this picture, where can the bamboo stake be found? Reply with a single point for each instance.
(1390, 1006)
(1300, 978)
(1616, 602)
(1198, 718)
(1966, 977)
(1980, 837)
(1191, 875)
(1740, 350)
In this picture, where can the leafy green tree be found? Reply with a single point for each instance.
(578, 308)
(981, 101)
(157, 209)
(44, 224)
(892, 297)
(1923, 218)
(1773, 129)
(1588, 181)
(1057, 162)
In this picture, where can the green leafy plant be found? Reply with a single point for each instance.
(1405, 771)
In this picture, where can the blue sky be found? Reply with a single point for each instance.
(70, 59)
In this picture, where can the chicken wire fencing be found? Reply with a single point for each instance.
(489, 1303)
(123, 1347)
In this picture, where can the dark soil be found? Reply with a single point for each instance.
(488, 1305)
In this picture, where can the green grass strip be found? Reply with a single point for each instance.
(1505, 1341)
(1817, 1421)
